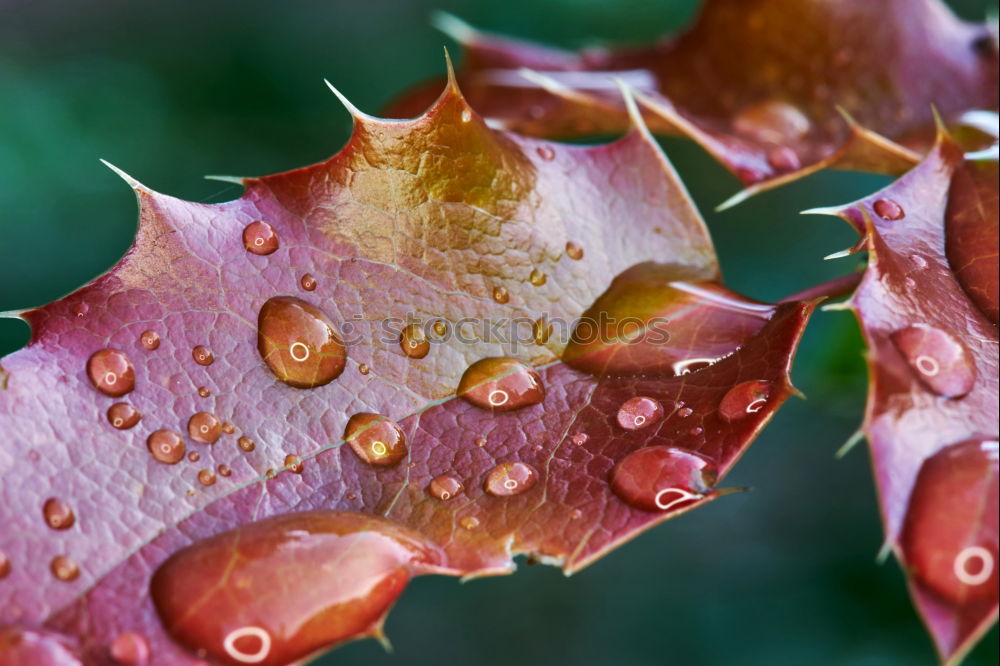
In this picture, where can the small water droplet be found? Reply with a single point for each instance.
(58, 514)
(246, 444)
(771, 121)
(150, 340)
(204, 428)
(445, 487)
(224, 470)
(685, 412)
(203, 355)
(744, 399)
(204, 392)
(64, 569)
(270, 473)
(4, 565)
(376, 439)
(364, 369)
(480, 442)
(260, 238)
(580, 438)
(501, 295)
(574, 251)
(123, 416)
(510, 478)
(166, 446)
(228, 428)
(501, 384)
(440, 327)
(308, 282)
(111, 372)
(660, 478)
(413, 341)
(576, 514)
(639, 412)
(888, 209)
(783, 159)
(294, 464)
(81, 309)
(537, 278)
(469, 522)
(194, 456)
(206, 477)
(299, 343)
(937, 358)
(541, 330)
(694, 432)
(129, 649)
(546, 153)
(918, 261)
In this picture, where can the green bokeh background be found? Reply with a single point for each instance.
(171, 91)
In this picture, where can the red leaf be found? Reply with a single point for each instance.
(187, 410)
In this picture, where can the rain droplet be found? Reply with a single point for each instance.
(376, 439)
(308, 282)
(501, 295)
(937, 358)
(413, 341)
(744, 399)
(639, 412)
(204, 428)
(364, 369)
(111, 372)
(294, 464)
(150, 340)
(299, 343)
(166, 446)
(58, 514)
(510, 478)
(661, 478)
(445, 487)
(81, 309)
(469, 522)
(246, 444)
(224, 470)
(580, 438)
(918, 261)
(888, 209)
(440, 327)
(541, 330)
(194, 456)
(228, 428)
(501, 384)
(260, 238)
(123, 416)
(574, 251)
(537, 278)
(129, 649)
(206, 477)
(204, 392)
(546, 153)
(203, 355)
(685, 412)
(64, 569)
(480, 442)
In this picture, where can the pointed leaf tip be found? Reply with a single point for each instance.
(132, 182)
(356, 113)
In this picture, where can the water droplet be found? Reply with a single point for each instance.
(129, 649)
(123, 416)
(480, 442)
(58, 514)
(270, 473)
(299, 343)
(771, 121)
(546, 153)
(783, 159)
(574, 251)
(537, 278)
(510, 478)
(501, 295)
(888, 209)
(260, 238)
(308, 282)
(166, 446)
(4, 565)
(937, 358)
(206, 477)
(661, 478)
(501, 384)
(224, 470)
(639, 412)
(243, 622)
(376, 439)
(81, 309)
(294, 464)
(203, 355)
(204, 392)
(469, 522)
(918, 261)
(228, 428)
(194, 456)
(948, 538)
(413, 341)
(576, 514)
(246, 444)
(580, 438)
(364, 369)
(694, 432)
(685, 412)
(744, 399)
(111, 372)
(204, 428)
(64, 569)
(445, 487)
(150, 340)
(440, 327)
(541, 330)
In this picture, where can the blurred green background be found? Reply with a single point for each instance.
(171, 91)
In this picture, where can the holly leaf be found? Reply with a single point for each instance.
(928, 309)
(773, 89)
(445, 346)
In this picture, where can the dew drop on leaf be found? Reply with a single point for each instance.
(469, 522)
(203, 355)
(206, 477)
(36, 647)
(111, 372)
(260, 238)
(501, 384)
(574, 251)
(166, 446)
(129, 649)
(541, 330)
(938, 359)
(771, 121)
(64, 569)
(440, 327)
(299, 343)
(501, 295)
(413, 341)
(81, 309)
(445, 487)
(4, 565)
(580, 438)
(364, 369)
(123, 416)
(246, 444)
(537, 278)
(639, 412)
(546, 153)
(58, 514)
(375, 439)
(204, 392)
(510, 478)
(228, 428)
(194, 456)
(744, 399)
(308, 282)
(224, 470)
(294, 464)
(150, 340)
(204, 428)
(685, 412)
(660, 478)
(888, 209)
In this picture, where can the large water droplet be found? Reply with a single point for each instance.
(64, 569)
(445, 487)
(376, 439)
(204, 428)
(123, 416)
(203, 355)
(510, 478)
(260, 238)
(413, 341)
(661, 478)
(888, 209)
(299, 343)
(744, 399)
(772, 121)
(949, 538)
(166, 446)
(111, 372)
(150, 340)
(938, 359)
(501, 384)
(242, 621)
(58, 514)
(129, 649)
(639, 412)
